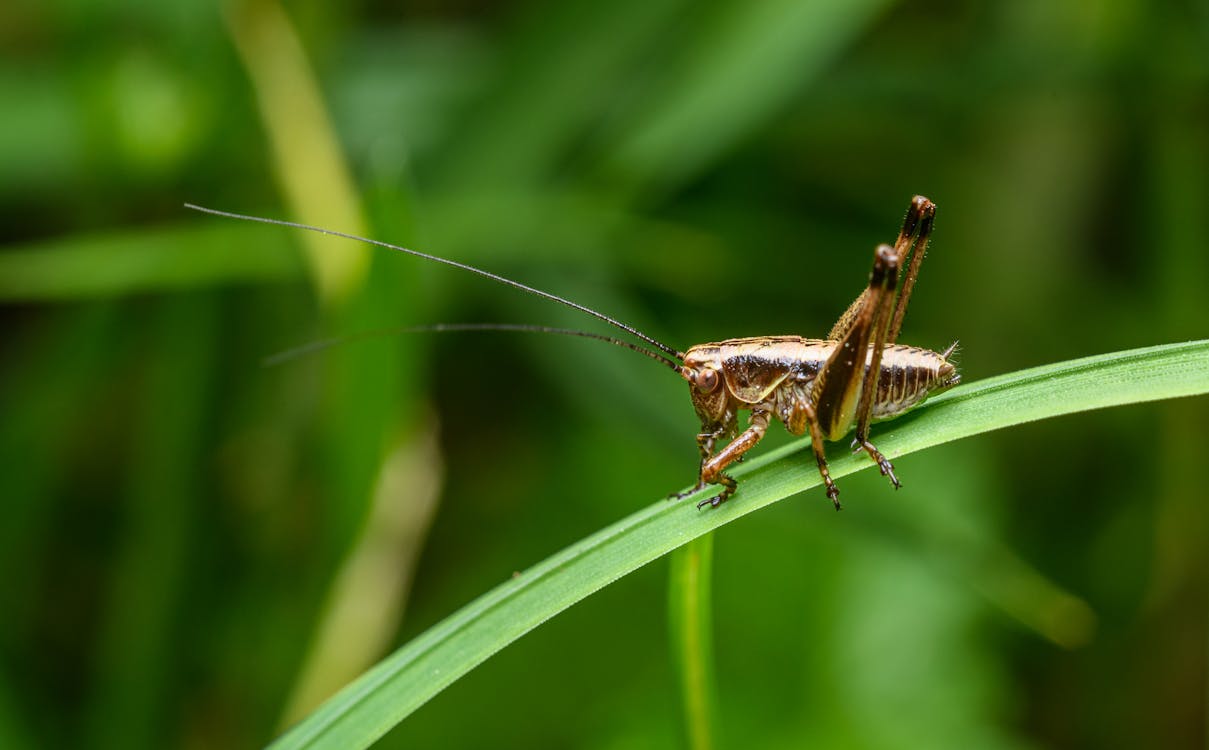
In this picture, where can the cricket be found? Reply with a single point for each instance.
(825, 387)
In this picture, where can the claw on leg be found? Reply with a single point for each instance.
(729, 485)
(833, 493)
(883, 463)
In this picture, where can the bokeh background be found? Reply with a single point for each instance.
(194, 548)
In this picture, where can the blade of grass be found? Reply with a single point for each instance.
(690, 616)
(306, 152)
(382, 697)
(366, 434)
(160, 509)
(114, 264)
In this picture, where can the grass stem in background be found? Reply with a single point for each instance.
(690, 617)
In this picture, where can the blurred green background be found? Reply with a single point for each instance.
(194, 548)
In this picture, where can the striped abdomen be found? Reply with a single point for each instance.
(908, 376)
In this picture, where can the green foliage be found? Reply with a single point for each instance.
(194, 549)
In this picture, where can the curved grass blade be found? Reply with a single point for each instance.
(385, 695)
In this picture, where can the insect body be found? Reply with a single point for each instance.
(823, 387)
(820, 387)
(774, 377)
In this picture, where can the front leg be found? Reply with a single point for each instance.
(712, 469)
(803, 418)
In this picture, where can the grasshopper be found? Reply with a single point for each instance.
(824, 387)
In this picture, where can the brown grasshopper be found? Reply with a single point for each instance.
(820, 386)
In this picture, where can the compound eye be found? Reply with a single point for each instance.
(706, 380)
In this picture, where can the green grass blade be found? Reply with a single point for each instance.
(690, 614)
(114, 264)
(401, 683)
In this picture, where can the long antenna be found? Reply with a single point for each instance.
(611, 321)
(322, 344)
